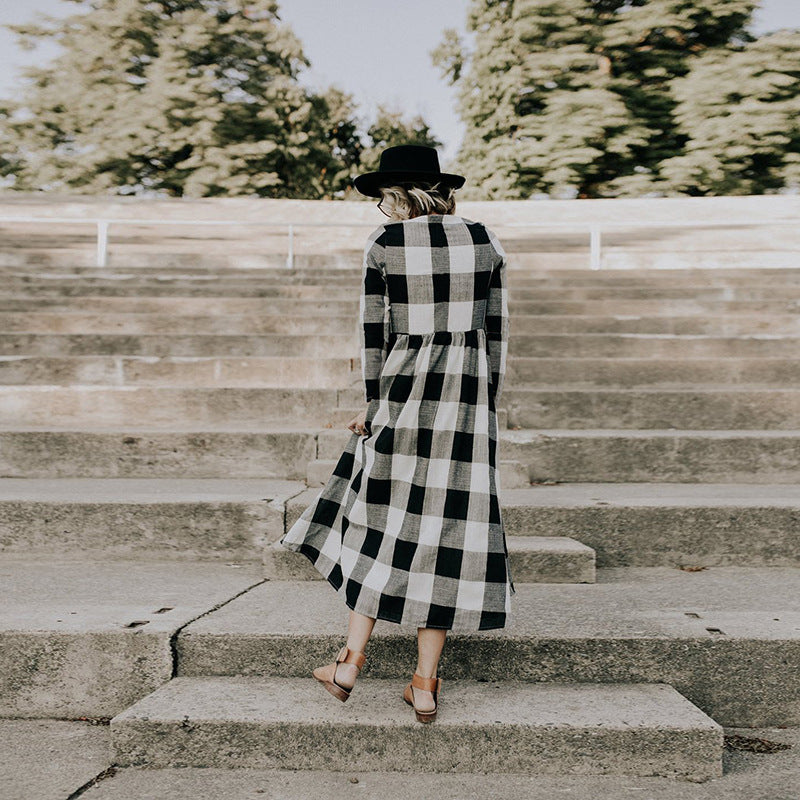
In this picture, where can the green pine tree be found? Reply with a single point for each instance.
(739, 111)
(182, 97)
(601, 98)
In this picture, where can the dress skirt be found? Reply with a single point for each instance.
(408, 528)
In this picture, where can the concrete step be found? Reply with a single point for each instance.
(656, 524)
(727, 638)
(278, 452)
(263, 371)
(665, 278)
(534, 559)
(312, 315)
(649, 346)
(51, 759)
(304, 318)
(294, 342)
(172, 345)
(701, 407)
(528, 456)
(273, 271)
(661, 524)
(524, 372)
(563, 299)
(158, 407)
(176, 519)
(334, 369)
(176, 407)
(87, 638)
(618, 455)
(504, 726)
(642, 456)
(570, 301)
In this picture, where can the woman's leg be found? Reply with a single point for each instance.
(430, 643)
(359, 630)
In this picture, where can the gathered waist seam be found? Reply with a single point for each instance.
(470, 335)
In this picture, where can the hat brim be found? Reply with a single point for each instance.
(370, 182)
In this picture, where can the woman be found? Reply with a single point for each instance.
(408, 528)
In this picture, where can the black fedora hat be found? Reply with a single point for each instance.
(406, 163)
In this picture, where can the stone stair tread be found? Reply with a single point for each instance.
(545, 544)
(696, 388)
(69, 593)
(632, 602)
(645, 494)
(656, 494)
(515, 435)
(624, 603)
(254, 699)
(147, 490)
(506, 726)
(523, 435)
(746, 775)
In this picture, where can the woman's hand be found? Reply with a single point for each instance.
(357, 423)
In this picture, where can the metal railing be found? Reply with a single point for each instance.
(595, 229)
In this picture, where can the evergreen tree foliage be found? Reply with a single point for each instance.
(177, 97)
(603, 98)
(740, 115)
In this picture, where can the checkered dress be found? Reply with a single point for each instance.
(408, 527)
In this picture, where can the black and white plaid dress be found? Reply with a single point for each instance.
(408, 527)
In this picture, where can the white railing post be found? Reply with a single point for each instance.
(102, 242)
(290, 257)
(594, 237)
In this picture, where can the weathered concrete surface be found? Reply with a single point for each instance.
(128, 452)
(171, 345)
(728, 638)
(539, 345)
(634, 729)
(48, 759)
(622, 455)
(175, 518)
(653, 456)
(84, 638)
(555, 247)
(651, 345)
(709, 407)
(675, 373)
(663, 523)
(281, 371)
(750, 776)
(158, 406)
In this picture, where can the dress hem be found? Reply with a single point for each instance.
(339, 591)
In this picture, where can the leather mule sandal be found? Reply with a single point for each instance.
(429, 685)
(327, 675)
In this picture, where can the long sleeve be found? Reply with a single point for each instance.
(497, 320)
(373, 315)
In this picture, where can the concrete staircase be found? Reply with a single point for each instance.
(161, 427)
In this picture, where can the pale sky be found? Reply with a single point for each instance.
(378, 50)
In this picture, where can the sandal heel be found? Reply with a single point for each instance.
(428, 684)
(327, 675)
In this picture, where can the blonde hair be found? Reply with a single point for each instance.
(407, 200)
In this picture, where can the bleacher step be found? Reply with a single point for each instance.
(502, 727)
